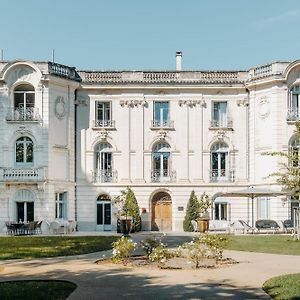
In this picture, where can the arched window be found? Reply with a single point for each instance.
(219, 162)
(294, 152)
(104, 163)
(24, 102)
(161, 162)
(294, 103)
(24, 150)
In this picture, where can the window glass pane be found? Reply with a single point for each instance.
(99, 214)
(29, 100)
(165, 113)
(214, 161)
(29, 152)
(107, 213)
(19, 100)
(223, 160)
(157, 107)
(19, 152)
(223, 211)
(217, 214)
(295, 105)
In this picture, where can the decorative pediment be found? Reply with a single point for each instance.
(191, 103)
(103, 134)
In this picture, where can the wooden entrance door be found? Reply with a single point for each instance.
(162, 212)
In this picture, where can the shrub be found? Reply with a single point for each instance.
(192, 212)
(195, 251)
(215, 242)
(149, 244)
(122, 249)
(161, 254)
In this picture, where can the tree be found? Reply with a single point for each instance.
(192, 212)
(132, 209)
(289, 173)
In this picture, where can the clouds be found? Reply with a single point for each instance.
(282, 18)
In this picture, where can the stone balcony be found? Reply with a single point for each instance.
(293, 115)
(104, 124)
(162, 124)
(22, 175)
(226, 123)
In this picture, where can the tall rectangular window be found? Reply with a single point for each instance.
(220, 115)
(263, 208)
(161, 114)
(103, 114)
(61, 205)
(294, 109)
(221, 211)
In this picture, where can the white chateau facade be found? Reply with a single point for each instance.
(71, 140)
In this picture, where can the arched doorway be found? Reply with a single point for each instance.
(103, 213)
(161, 212)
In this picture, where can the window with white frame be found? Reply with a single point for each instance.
(61, 205)
(221, 211)
(161, 114)
(103, 117)
(24, 151)
(263, 208)
(219, 162)
(220, 114)
(294, 103)
(24, 101)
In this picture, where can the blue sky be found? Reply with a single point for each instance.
(144, 35)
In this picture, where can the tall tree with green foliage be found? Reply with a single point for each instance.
(289, 173)
(192, 212)
(132, 209)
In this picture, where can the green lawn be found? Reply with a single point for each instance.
(36, 290)
(283, 287)
(277, 244)
(36, 247)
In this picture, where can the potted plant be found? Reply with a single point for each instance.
(204, 205)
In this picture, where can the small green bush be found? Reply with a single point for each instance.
(122, 249)
(192, 212)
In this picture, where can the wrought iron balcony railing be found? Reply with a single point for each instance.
(105, 176)
(221, 175)
(226, 123)
(163, 176)
(104, 124)
(22, 174)
(293, 114)
(167, 124)
(29, 114)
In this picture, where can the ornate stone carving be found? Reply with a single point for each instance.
(263, 107)
(242, 102)
(23, 130)
(162, 134)
(191, 103)
(133, 103)
(103, 134)
(60, 107)
(221, 134)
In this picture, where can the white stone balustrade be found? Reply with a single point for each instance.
(22, 174)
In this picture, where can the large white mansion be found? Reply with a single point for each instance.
(71, 140)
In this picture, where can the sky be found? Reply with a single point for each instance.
(145, 34)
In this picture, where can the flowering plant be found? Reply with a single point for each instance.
(204, 203)
(122, 249)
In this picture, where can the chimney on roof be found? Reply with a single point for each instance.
(178, 60)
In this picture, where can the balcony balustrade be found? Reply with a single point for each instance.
(163, 176)
(226, 123)
(22, 174)
(104, 124)
(166, 124)
(105, 176)
(29, 114)
(221, 175)
(293, 114)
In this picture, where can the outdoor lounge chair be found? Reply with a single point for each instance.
(267, 225)
(288, 226)
(247, 228)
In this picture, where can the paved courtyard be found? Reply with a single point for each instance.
(107, 281)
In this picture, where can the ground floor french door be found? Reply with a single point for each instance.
(104, 215)
(25, 211)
